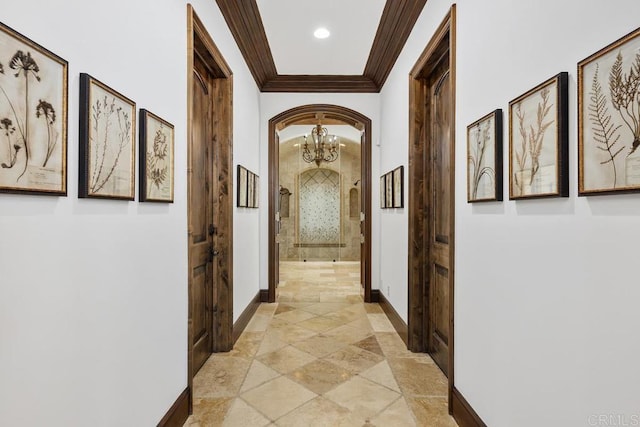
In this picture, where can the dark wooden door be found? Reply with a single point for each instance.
(201, 218)
(439, 217)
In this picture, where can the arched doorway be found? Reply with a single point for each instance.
(309, 114)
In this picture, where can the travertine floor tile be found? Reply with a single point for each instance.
(320, 376)
(380, 323)
(370, 344)
(258, 374)
(354, 359)
(209, 412)
(347, 334)
(220, 377)
(289, 332)
(286, 359)
(278, 397)
(320, 324)
(397, 414)
(295, 316)
(319, 345)
(419, 377)
(381, 374)
(320, 358)
(319, 412)
(363, 395)
(393, 346)
(241, 414)
(431, 411)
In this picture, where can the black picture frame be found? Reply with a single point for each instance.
(484, 159)
(248, 194)
(107, 142)
(157, 144)
(548, 108)
(398, 187)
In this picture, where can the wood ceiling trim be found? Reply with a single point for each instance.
(245, 23)
(396, 23)
(317, 83)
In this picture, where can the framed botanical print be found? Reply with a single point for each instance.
(33, 117)
(156, 158)
(398, 187)
(248, 188)
(538, 141)
(256, 191)
(609, 118)
(107, 142)
(389, 190)
(383, 191)
(242, 187)
(251, 187)
(484, 158)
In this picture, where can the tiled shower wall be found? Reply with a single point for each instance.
(347, 167)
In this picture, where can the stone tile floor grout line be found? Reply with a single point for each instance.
(320, 357)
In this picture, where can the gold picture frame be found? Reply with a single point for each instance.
(609, 118)
(33, 117)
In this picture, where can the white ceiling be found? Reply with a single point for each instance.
(289, 25)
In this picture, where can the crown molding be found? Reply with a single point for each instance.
(396, 23)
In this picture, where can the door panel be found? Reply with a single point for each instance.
(440, 217)
(200, 213)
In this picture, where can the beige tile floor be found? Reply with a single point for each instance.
(320, 357)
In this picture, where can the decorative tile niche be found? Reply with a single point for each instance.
(318, 218)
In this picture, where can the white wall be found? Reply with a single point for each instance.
(93, 293)
(272, 104)
(546, 290)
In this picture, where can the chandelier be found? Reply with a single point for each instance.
(324, 147)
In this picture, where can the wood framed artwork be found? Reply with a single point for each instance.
(484, 158)
(383, 191)
(256, 191)
(389, 190)
(251, 187)
(33, 117)
(538, 141)
(242, 187)
(156, 158)
(609, 118)
(248, 188)
(107, 142)
(398, 187)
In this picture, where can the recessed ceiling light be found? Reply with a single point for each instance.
(321, 33)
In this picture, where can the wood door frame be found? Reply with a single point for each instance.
(331, 112)
(199, 43)
(442, 43)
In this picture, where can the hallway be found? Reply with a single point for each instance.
(320, 357)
